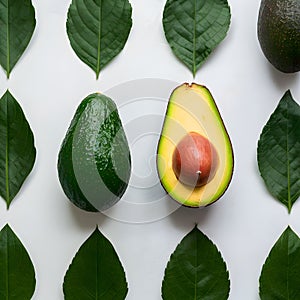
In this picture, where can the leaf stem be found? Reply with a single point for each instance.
(6, 158)
(7, 270)
(194, 41)
(7, 42)
(196, 264)
(99, 40)
(288, 163)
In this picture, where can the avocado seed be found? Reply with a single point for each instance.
(195, 160)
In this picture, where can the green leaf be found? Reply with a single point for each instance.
(280, 275)
(16, 269)
(194, 28)
(17, 24)
(278, 152)
(98, 30)
(17, 151)
(196, 271)
(95, 272)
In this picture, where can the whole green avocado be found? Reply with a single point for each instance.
(279, 33)
(94, 162)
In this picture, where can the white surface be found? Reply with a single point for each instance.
(50, 81)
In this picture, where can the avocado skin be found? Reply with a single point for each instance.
(109, 150)
(279, 33)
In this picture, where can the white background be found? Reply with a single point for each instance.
(50, 81)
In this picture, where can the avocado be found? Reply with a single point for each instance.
(94, 163)
(194, 154)
(278, 30)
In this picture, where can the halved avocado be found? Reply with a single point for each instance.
(193, 111)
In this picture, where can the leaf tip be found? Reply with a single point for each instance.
(288, 92)
(7, 92)
(5, 227)
(96, 228)
(287, 96)
(195, 227)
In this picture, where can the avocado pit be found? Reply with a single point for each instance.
(195, 160)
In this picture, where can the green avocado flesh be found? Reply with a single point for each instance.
(278, 30)
(94, 163)
(192, 109)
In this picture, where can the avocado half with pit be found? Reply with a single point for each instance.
(194, 157)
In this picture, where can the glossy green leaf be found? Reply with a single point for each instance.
(196, 271)
(17, 151)
(98, 30)
(278, 152)
(280, 275)
(95, 272)
(17, 24)
(194, 28)
(16, 269)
